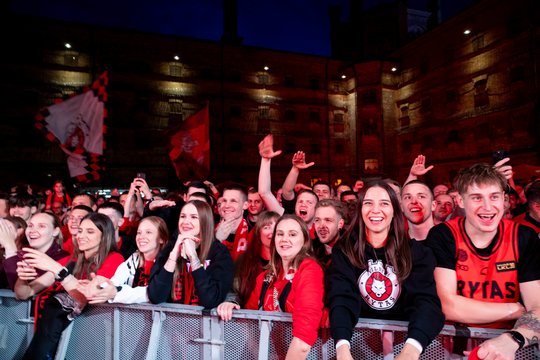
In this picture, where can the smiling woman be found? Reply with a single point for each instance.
(293, 283)
(195, 269)
(95, 253)
(378, 272)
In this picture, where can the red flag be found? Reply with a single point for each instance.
(190, 153)
(77, 125)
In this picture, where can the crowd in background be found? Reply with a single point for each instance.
(326, 254)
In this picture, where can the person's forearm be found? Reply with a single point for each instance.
(298, 349)
(470, 311)
(288, 184)
(265, 183)
(22, 289)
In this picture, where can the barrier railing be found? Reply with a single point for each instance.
(170, 331)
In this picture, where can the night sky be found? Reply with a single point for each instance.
(292, 25)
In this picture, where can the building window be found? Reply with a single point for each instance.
(262, 79)
(428, 142)
(340, 149)
(481, 97)
(517, 73)
(478, 43)
(338, 117)
(371, 166)
(314, 116)
(314, 84)
(290, 115)
(404, 110)
(71, 60)
(425, 106)
(176, 106)
(406, 146)
(235, 111)
(338, 87)
(315, 149)
(290, 148)
(289, 81)
(453, 137)
(175, 70)
(264, 112)
(237, 146)
(369, 97)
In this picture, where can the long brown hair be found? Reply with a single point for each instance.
(397, 248)
(162, 234)
(206, 235)
(275, 267)
(248, 266)
(83, 267)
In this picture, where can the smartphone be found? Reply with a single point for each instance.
(500, 154)
(141, 175)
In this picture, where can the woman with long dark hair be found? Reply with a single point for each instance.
(378, 272)
(195, 269)
(95, 253)
(130, 281)
(250, 264)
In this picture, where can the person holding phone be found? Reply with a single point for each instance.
(43, 234)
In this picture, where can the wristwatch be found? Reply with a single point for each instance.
(62, 274)
(517, 337)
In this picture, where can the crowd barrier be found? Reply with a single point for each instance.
(170, 331)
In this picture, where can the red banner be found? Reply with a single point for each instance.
(190, 147)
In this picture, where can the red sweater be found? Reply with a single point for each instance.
(305, 300)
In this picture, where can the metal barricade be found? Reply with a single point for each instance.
(170, 331)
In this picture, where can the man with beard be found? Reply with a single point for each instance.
(328, 223)
(444, 207)
(417, 204)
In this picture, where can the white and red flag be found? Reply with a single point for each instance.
(190, 147)
(77, 125)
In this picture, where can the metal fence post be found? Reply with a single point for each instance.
(157, 322)
(264, 338)
(387, 338)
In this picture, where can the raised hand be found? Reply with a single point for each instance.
(266, 148)
(504, 168)
(419, 166)
(299, 161)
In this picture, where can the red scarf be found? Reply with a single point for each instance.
(184, 286)
(240, 243)
(144, 274)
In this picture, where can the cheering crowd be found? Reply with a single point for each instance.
(466, 254)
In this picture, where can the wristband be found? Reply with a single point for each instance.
(415, 344)
(343, 342)
(517, 337)
(195, 264)
(62, 274)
